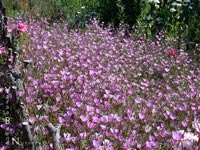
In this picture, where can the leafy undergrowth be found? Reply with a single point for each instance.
(110, 91)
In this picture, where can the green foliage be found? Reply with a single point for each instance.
(177, 18)
(119, 11)
(77, 12)
(132, 9)
(11, 8)
(108, 11)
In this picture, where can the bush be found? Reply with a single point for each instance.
(177, 18)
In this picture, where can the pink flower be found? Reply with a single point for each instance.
(141, 116)
(95, 119)
(96, 143)
(61, 120)
(83, 135)
(22, 27)
(142, 39)
(32, 120)
(178, 135)
(10, 30)
(90, 125)
(20, 93)
(54, 108)
(84, 118)
(2, 50)
(44, 118)
(130, 91)
(172, 52)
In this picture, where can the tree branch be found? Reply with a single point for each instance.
(55, 133)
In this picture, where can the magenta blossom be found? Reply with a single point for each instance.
(22, 27)
(173, 53)
(2, 50)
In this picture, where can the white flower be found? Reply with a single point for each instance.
(190, 136)
(154, 1)
(149, 17)
(196, 125)
(174, 3)
(187, 1)
(178, 5)
(157, 6)
(172, 10)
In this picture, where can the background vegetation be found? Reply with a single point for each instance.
(177, 18)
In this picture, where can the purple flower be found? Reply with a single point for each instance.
(141, 116)
(84, 118)
(184, 123)
(95, 119)
(20, 93)
(130, 91)
(54, 108)
(172, 116)
(61, 120)
(32, 120)
(138, 100)
(178, 135)
(96, 143)
(90, 125)
(151, 144)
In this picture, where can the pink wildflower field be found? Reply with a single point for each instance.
(110, 91)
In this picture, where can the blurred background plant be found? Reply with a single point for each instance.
(176, 18)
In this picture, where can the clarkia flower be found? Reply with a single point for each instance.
(173, 53)
(2, 50)
(22, 27)
(178, 135)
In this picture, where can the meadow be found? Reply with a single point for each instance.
(109, 90)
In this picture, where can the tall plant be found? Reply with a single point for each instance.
(108, 11)
(179, 18)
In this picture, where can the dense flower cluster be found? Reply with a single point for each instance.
(109, 91)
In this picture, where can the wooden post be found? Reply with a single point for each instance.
(13, 74)
(18, 109)
(3, 21)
